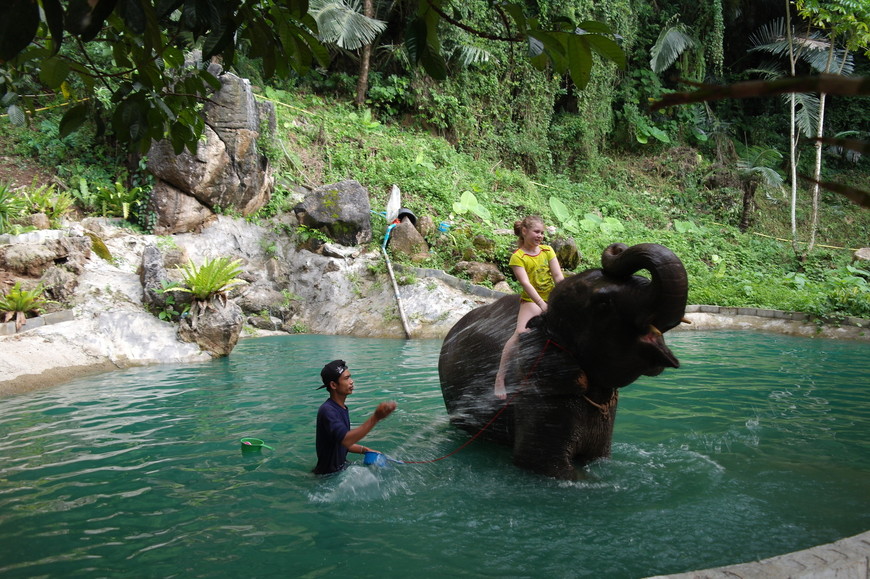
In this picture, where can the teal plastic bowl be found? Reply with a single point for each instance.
(254, 445)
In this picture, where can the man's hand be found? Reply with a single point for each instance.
(384, 409)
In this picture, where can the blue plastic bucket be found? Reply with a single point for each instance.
(374, 458)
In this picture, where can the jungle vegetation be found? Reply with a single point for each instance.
(483, 112)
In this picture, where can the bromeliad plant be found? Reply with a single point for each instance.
(17, 303)
(213, 279)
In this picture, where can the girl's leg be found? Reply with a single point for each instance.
(528, 310)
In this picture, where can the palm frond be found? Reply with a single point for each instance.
(760, 162)
(768, 70)
(807, 111)
(818, 60)
(467, 55)
(342, 23)
(672, 42)
(770, 38)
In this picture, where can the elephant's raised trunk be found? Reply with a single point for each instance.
(669, 278)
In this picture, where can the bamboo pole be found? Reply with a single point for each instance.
(396, 291)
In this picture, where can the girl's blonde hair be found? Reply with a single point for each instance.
(526, 223)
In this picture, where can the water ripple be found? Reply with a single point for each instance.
(140, 472)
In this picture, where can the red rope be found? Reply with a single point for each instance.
(497, 414)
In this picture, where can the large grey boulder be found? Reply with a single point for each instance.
(215, 329)
(341, 210)
(479, 272)
(228, 172)
(176, 211)
(34, 259)
(59, 284)
(153, 277)
(156, 281)
(261, 299)
(404, 238)
(567, 252)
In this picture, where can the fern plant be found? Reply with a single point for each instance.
(17, 303)
(214, 278)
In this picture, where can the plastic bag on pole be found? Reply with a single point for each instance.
(394, 204)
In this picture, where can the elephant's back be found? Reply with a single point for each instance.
(470, 356)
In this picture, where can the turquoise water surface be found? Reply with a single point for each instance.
(756, 446)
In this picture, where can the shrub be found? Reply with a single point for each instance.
(17, 303)
(11, 207)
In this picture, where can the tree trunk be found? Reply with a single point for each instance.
(749, 187)
(362, 83)
(817, 174)
(792, 138)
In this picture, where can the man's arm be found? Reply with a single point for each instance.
(354, 435)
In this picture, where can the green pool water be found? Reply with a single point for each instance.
(756, 446)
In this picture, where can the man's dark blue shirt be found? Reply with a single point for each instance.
(333, 423)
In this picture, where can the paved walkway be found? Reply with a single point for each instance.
(845, 559)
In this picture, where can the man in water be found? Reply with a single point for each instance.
(335, 437)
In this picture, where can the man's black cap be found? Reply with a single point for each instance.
(332, 372)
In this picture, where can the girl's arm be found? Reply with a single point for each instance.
(556, 270)
(523, 278)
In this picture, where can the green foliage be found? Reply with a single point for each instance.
(672, 42)
(391, 96)
(468, 203)
(17, 303)
(151, 42)
(846, 20)
(171, 312)
(306, 234)
(299, 328)
(46, 199)
(760, 163)
(12, 206)
(116, 201)
(289, 297)
(606, 225)
(21, 300)
(591, 222)
(212, 279)
(342, 23)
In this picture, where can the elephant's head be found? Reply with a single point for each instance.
(613, 320)
(603, 329)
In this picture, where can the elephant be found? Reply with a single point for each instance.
(602, 330)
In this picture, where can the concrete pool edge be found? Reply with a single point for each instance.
(847, 558)
(705, 317)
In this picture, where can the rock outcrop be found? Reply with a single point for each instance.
(215, 327)
(228, 171)
(341, 211)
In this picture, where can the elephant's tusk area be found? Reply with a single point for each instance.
(685, 321)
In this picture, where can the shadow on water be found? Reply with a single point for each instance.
(755, 446)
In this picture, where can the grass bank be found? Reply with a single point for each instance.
(661, 198)
(666, 196)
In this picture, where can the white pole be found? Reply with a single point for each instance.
(396, 291)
